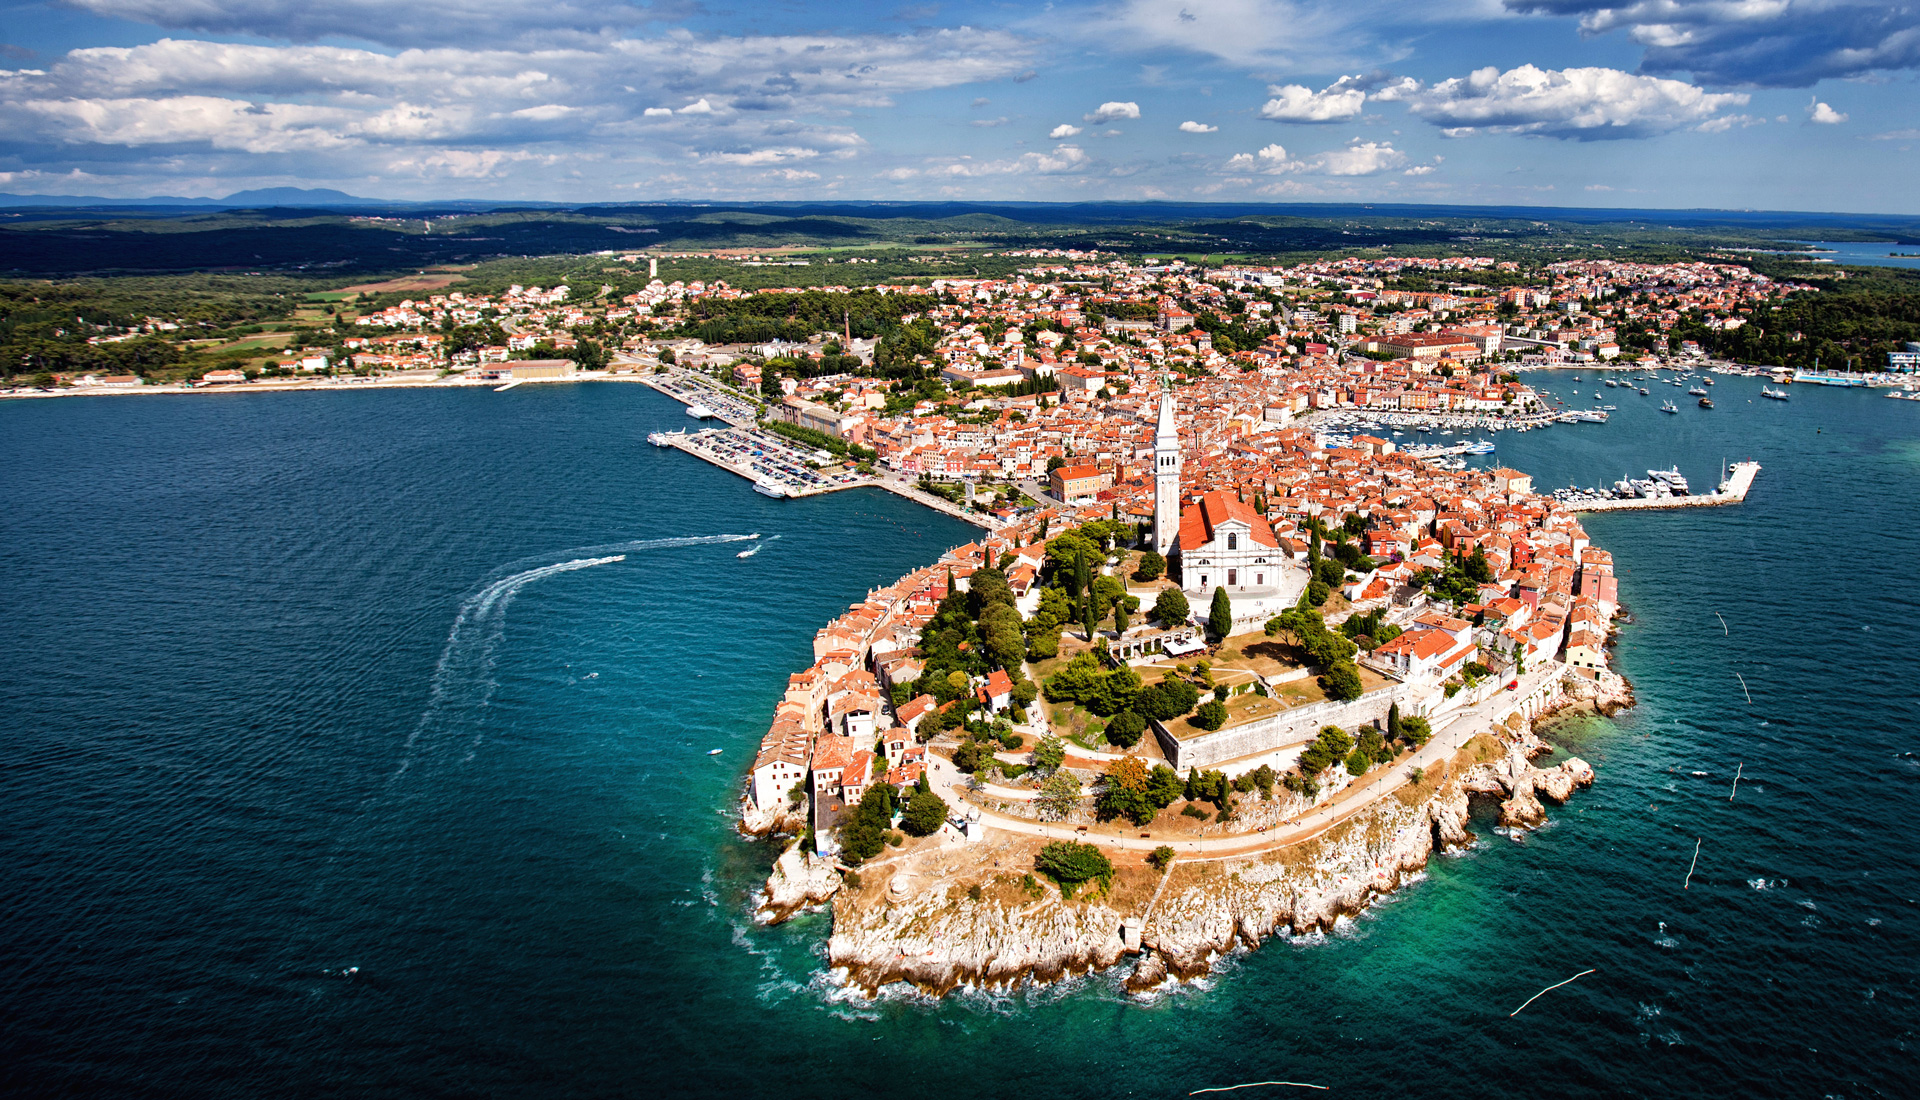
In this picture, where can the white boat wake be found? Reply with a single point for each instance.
(463, 677)
(757, 547)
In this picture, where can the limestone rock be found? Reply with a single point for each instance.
(1149, 973)
(799, 879)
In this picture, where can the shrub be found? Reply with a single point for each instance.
(1193, 810)
(1161, 858)
(1069, 863)
(1171, 607)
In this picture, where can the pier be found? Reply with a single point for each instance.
(1731, 491)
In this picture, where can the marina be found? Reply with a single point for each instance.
(1662, 489)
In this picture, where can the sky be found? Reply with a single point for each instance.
(1733, 104)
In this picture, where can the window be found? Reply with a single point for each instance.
(1233, 540)
(1233, 576)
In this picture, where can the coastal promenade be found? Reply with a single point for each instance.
(1731, 491)
(1536, 691)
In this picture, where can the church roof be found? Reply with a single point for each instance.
(1198, 520)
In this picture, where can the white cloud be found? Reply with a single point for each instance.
(755, 157)
(1110, 111)
(985, 123)
(1770, 43)
(1826, 116)
(184, 108)
(1358, 158)
(1064, 130)
(415, 23)
(1062, 160)
(1198, 128)
(1584, 103)
(1337, 102)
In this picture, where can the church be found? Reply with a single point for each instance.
(1218, 541)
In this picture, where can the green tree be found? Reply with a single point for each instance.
(1170, 608)
(1211, 715)
(1049, 754)
(1152, 566)
(1167, 700)
(1120, 617)
(1220, 616)
(1317, 592)
(1059, 796)
(1126, 729)
(1333, 744)
(1069, 864)
(1342, 682)
(1416, 730)
(865, 832)
(1358, 761)
(1160, 858)
(926, 812)
(1393, 721)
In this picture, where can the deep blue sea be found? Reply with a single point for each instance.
(304, 682)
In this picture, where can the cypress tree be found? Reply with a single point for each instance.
(1393, 722)
(1120, 617)
(1220, 616)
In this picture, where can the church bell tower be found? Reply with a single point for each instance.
(1166, 476)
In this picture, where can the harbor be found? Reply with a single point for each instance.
(1731, 490)
(776, 466)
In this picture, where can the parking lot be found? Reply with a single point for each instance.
(764, 456)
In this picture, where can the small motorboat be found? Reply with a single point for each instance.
(715, 752)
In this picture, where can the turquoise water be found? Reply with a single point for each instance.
(1877, 254)
(296, 683)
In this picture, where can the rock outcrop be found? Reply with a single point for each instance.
(799, 879)
(937, 937)
(1519, 784)
(1606, 691)
(1297, 891)
(945, 916)
(757, 822)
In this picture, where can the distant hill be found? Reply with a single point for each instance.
(263, 196)
(297, 196)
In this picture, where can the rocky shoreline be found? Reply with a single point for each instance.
(943, 916)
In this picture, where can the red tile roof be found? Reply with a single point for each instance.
(1198, 520)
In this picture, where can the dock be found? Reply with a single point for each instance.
(1731, 491)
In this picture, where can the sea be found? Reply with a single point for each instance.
(357, 745)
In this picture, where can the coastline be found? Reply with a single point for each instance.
(948, 911)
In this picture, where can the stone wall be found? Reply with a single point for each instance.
(1289, 727)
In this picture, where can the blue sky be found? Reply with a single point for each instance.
(1773, 104)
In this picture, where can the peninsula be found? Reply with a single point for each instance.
(1035, 756)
